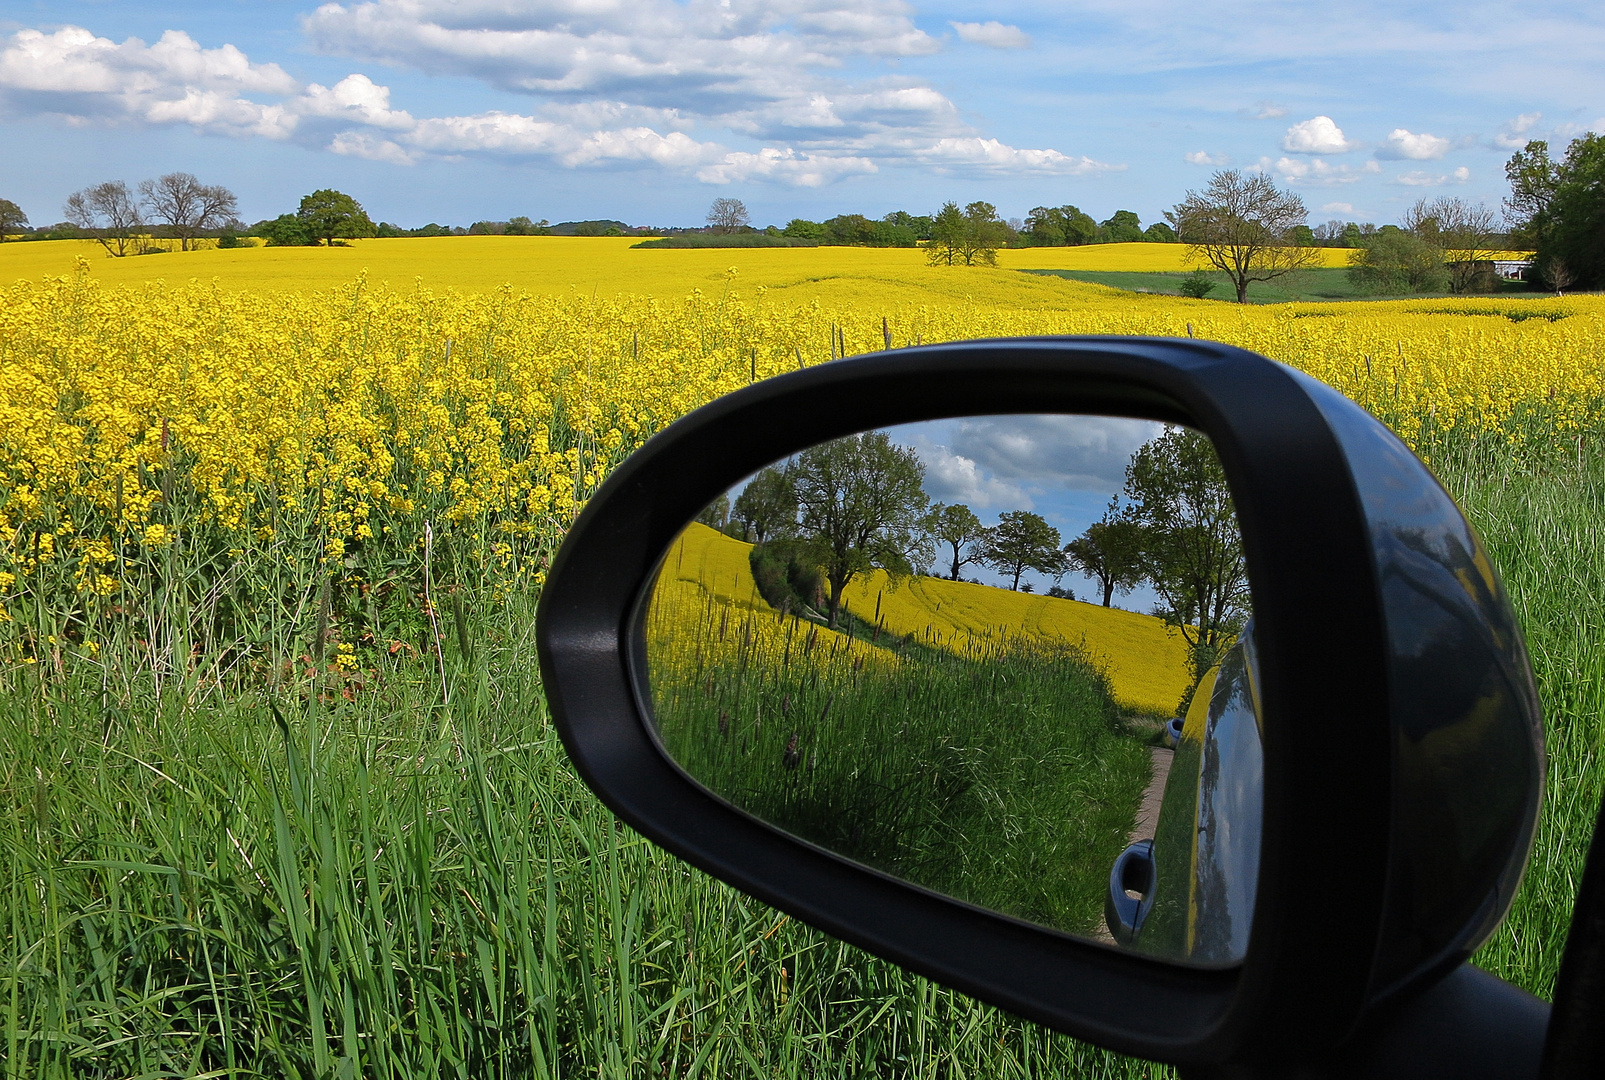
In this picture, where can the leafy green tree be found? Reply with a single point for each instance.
(1022, 541)
(12, 219)
(960, 530)
(861, 505)
(1533, 178)
(1395, 262)
(1052, 226)
(1123, 227)
(947, 236)
(716, 515)
(852, 230)
(1192, 549)
(1110, 551)
(1242, 225)
(1197, 284)
(331, 215)
(286, 230)
(1159, 233)
(970, 236)
(1567, 205)
(803, 229)
(767, 507)
(918, 224)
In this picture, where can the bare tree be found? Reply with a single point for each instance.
(187, 206)
(728, 215)
(1467, 234)
(109, 213)
(1243, 226)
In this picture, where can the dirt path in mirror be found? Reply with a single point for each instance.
(1147, 822)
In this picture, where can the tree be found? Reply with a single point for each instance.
(1159, 233)
(1022, 541)
(1123, 227)
(1197, 284)
(972, 235)
(767, 507)
(1394, 262)
(109, 213)
(286, 230)
(1192, 550)
(861, 504)
(1242, 226)
(1533, 178)
(1466, 233)
(958, 528)
(12, 219)
(1567, 206)
(716, 515)
(187, 206)
(329, 215)
(1110, 551)
(803, 229)
(1050, 226)
(727, 216)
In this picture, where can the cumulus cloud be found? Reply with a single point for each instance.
(1318, 171)
(801, 170)
(74, 73)
(1317, 135)
(1421, 178)
(1407, 145)
(616, 83)
(990, 155)
(1515, 133)
(954, 478)
(1204, 157)
(993, 34)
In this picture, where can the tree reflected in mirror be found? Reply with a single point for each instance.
(876, 645)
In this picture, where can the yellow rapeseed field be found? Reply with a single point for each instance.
(246, 440)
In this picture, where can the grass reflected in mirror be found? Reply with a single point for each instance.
(998, 770)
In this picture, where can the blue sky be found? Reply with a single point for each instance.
(647, 110)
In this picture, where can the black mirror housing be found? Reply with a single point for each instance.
(1403, 752)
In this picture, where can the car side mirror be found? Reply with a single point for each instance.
(1397, 755)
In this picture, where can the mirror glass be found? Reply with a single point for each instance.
(1005, 658)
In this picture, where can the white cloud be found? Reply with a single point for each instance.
(1269, 111)
(990, 155)
(618, 83)
(1317, 171)
(72, 72)
(371, 147)
(1204, 157)
(787, 166)
(1421, 178)
(1317, 135)
(1337, 208)
(1515, 133)
(1405, 144)
(993, 34)
(953, 478)
(355, 98)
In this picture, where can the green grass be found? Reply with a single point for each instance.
(393, 886)
(1324, 283)
(1007, 778)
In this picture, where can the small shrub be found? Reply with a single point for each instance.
(1197, 284)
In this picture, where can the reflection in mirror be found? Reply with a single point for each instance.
(1003, 658)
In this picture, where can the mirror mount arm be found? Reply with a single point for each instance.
(1469, 1025)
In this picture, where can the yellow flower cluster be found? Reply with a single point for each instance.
(326, 429)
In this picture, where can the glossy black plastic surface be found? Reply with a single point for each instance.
(1468, 745)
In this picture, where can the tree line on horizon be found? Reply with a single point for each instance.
(858, 504)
